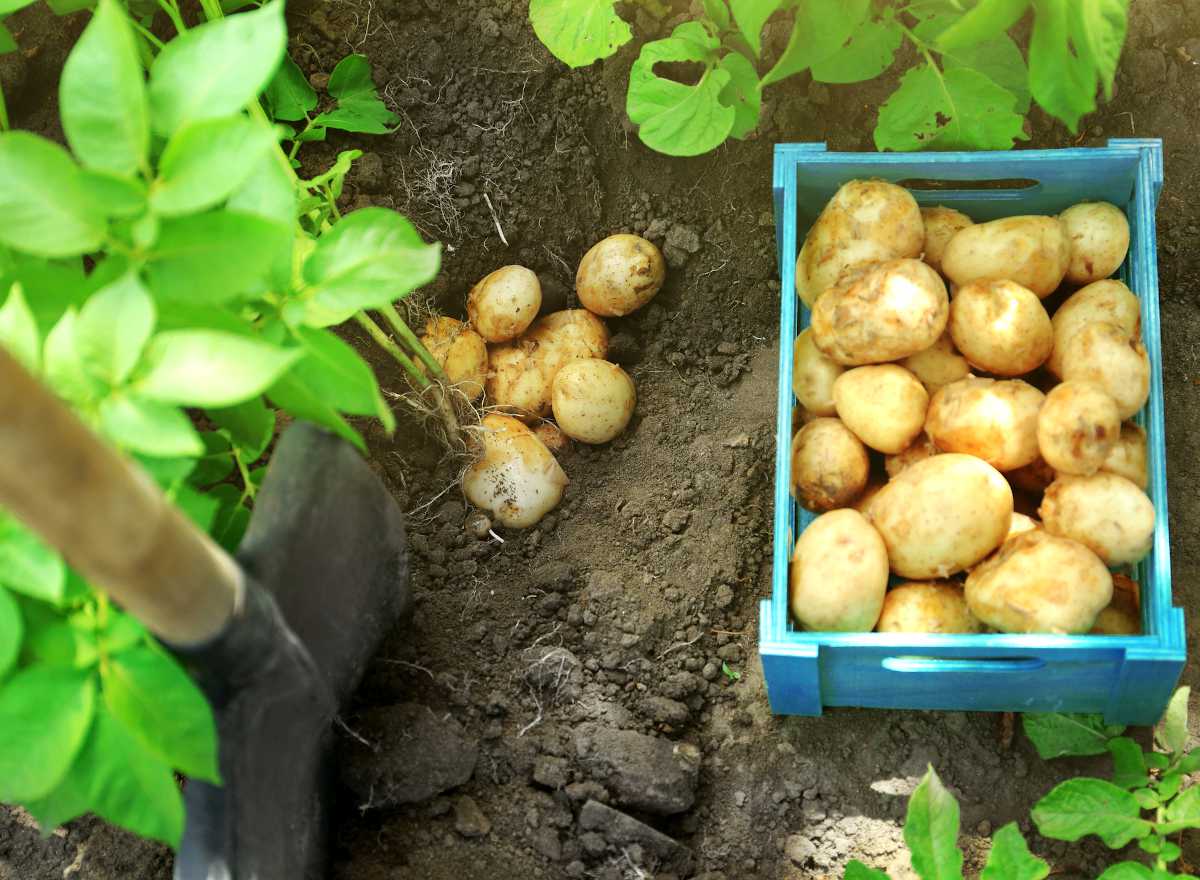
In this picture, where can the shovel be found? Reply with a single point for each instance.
(278, 638)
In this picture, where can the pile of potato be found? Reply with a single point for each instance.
(959, 434)
(528, 370)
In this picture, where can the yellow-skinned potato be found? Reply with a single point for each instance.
(927, 607)
(1105, 355)
(829, 465)
(1077, 428)
(1020, 525)
(839, 574)
(518, 382)
(461, 352)
(504, 303)
(515, 478)
(883, 405)
(813, 375)
(619, 275)
(942, 515)
(1099, 236)
(1122, 616)
(1129, 457)
(1033, 251)
(1107, 301)
(1108, 514)
(992, 420)
(938, 365)
(1000, 327)
(919, 450)
(1040, 583)
(561, 337)
(941, 223)
(593, 400)
(882, 313)
(552, 437)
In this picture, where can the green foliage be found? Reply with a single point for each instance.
(579, 32)
(1055, 734)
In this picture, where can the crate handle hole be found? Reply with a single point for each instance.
(976, 664)
(1014, 184)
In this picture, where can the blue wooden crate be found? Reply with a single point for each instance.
(1127, 678)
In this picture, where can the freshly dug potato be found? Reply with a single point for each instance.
(866, 221)
(927, 607)
(1033, 478)
(919, 450)
(561, 337)
(813, 375)
(1123, 615)
(1099, 236)
(552, 436)
(829, 465)
(619, 275)
(504, 303)
(1105, 355)
(942, 515)
(518, 382)
(1077, 428)
(993, 420)
(1030, 250)
(1040, 583)
(593, 400)
(940, 225)
(461, 352)
(1108, 514)
(882, 313)
(1129, 457)
(1103, 301)
(883, 405)
(938, 365)
(515, 478)
(1000, 327)
(839, 574)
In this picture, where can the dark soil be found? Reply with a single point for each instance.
(620, 609)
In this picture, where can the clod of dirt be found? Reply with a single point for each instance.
(601, 823)
(641, 772)
(469, 820)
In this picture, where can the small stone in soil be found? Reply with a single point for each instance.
(677, 519)
(799, 849)
(642, 772)
(469, 820)
(623, 831)
(550, 772)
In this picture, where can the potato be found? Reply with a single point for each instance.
(1033, 477)
(1099, 236)
(461, 352)
(518, 383)
(619, 275)
(1128, 457)
(504, 303)
(1105, 355)
(593, 400)
(552, 436)
(1123, 615)
(938, 365)
(990, 419)
(515, 478)
(1032, 251)
(1108, 514)
(813, 375)
(1077, 428)
(927, 607)
(839, 574)
(883, 405)
(940, 225)
(1020, 525)
(1040, 583)
(882, 313)
(1104, 301)
(942, 515)
(561, 337)
(866, 221)
(1000, 327)
(919, 450)
(829, 465)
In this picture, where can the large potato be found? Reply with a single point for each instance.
(866, 221)
(919, 450)
(882, 313)
(1106, 301)
(1108, 514)
(561, 337)
(1040, 583)
(884, 405)
(1129, 457)
(1099, 236)
(993, 420)
(504, 303)
(829, 465)
(593, 400)
(1000, 327)
(813, 375)
(1077, 428)
(515, 477)
(927, 607)
(1105, 355)
(1032, 251)
(942, 515)
(839, 574)
(938, 365)
(619, 275)
(1123, 615)
(461, 352)
(940, 225)
(518, 383)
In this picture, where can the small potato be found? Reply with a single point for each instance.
(938, 365)
(1103, 301)
(993, 420)
(1033, 477)
(619, 275)
(1000, 327)
(552, 436)
(1030, 250)
(461, 352)
(1123, 616)
(1128, 457)
(940, 225)
(561, 337)
(882, 313)
(1099, 235)
(813, 375)
(883, 405)
(942, 515)
(927, 607)
(1040, 583)
(839, 574)
(829, 465)
(593, 400)
(504, 303)
(1104, 512)
(919, 450)
(515, 478)
(1077, 428)
(518, 382)
(1105, 355)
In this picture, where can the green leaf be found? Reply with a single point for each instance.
(1098, 33)
(1129, 767)
(336, 373)
(1055, 734)
(856, 870)
(1168, 786)
(1190, 762)
(12, 630)
(66, 7)
(45, 713)
(250, 424)
(1147, 799)
(821, 28)
(49, 288)
(1060, 80)
(216, 463)
(58, 643)
(358, 106)
(1158, 761)
(28, 566)
(113, 327)
(1185, 809)
(1172, 731)
(1010, 858)
(289, 94)
(45, 207)
(718, 13)
(7, 43)
(1126, 871)
(8, 7)
(742, 93)
(102, 95)
(232, 519)
(63, 368)
(751, 16)
(18, 330)
(931, 830)
(113, 194)
(1001, 61)
(870, 51)
(332, 175)
(269, 192)
(122, 633)
(988, 20)
(151, 428)
(578, 32)
(205, 161)
(1083, 806)
(1170, 851)
(216, 69)
(210, 368)
(200, 507)
(292, 396)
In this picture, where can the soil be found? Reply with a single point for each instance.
(643, 587)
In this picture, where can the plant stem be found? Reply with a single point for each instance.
(410, 339)
(149, 38)
(388, 344)
(171, 8)
(3, 112)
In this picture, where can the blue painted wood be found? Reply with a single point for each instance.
(1127, 678)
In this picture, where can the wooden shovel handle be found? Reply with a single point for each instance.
(107, 517)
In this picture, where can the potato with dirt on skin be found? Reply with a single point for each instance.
(517, 382)
(1099, 236)
(1107, 301)
(619, 275)
(919, 450)
(1031, 250)
(882, 313)
(561, 337)
(941, 223)
(927, 607)
(1105, 355)
(938, 365)
(813, 376)
(1123, 615)
(593, 400)
(461, 351)
(504, 303)
(838, 574)
(992, 420)
(515, 478)
(829, 465)
(883, 405)
(1077, 428)
(1108, 514)
(552, 437)
(1000, 327)
(1129, 457)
